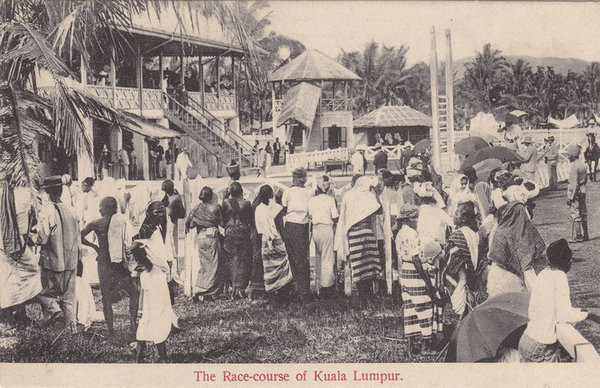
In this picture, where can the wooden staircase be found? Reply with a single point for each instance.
(208, 131)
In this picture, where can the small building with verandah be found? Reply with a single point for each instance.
(311, 102)
(409, 123)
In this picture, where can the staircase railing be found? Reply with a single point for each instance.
(191, 123)
(206, 115)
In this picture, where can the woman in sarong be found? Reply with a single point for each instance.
(206, 218)
(277, 271)
(237, 214)
(466, 267)
(516, 248)
(152, 254)
(355, 238)
(422, 319)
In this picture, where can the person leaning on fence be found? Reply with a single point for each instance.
(576, 194)
(549, 305)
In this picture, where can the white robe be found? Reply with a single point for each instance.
(157, 312)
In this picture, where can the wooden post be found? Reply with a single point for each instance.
(113, 76)
(201, 76)
(189, 270)
(182, 67)
(346, 102)
(234, 84)
(449, 99)
(387, 235)
(435, 127)
(218, 78)
(139, 77)
(347, 278)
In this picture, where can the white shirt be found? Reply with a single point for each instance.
(550, 304)
(432, 222)
(322, 209)
(357, 163)
(296, 200)
(265, 223)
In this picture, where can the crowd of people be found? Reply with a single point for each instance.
(452, 247)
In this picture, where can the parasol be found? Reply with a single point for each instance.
(422, 146)
(484, 168)
(480, 334)
(514, 116)
(469, 145)
(503, 154)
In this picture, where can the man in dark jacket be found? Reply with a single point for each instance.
(380, 160)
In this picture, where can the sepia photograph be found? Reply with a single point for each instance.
(330, 183)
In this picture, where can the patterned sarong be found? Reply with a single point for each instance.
(421, 317)
(276, 265)
(364, 254)
(532, 351)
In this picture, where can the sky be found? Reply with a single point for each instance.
(552, 29)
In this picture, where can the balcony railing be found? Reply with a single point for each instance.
(334, 104)
(128, 98)
(214, 104)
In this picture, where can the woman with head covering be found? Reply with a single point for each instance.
(465, 260)
(237, 218)
(206, 218)
(152, 255)
(355, 238)
(433, 221)
(296, 231)
(515, 249)
(421, 317)
(277, 269)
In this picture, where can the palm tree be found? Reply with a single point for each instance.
(49, 37)
(40, 37)
(384, 74)
(484, 76)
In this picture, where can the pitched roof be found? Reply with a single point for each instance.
(393, 116)
(312, 65)
(300, 104)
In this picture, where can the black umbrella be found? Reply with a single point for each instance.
(503, 154)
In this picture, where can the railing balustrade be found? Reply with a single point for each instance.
(334, 104)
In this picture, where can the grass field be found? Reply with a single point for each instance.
(325, 331)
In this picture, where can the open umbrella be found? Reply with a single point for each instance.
(469, 145)
(514, 116)
(503, 154)
(480, 334)
(421, 146)
(484, 168)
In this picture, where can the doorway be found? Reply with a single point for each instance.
(334, 137)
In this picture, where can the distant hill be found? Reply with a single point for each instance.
(560, 65)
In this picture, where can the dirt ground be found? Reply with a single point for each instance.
(323, 331)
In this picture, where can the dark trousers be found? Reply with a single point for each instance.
(58, 293)
(297, 245)
(553, 177)
(113, 278)
(276, 157)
